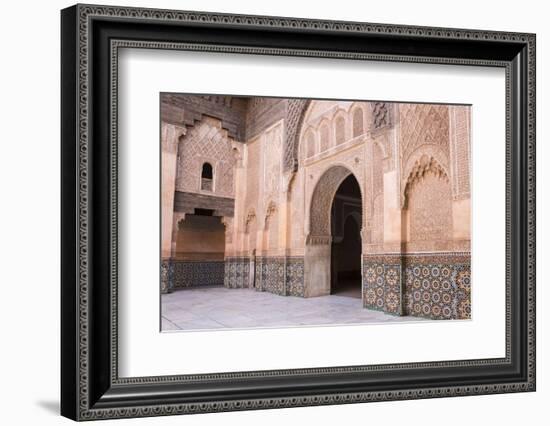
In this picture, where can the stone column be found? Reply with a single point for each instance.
(284, 216)
(170, 135)
(229, 234)
(229, 238)
(284, 212)
(238, 245)
(392, 209)
(168, 263)
(383, 264)
(177, 217)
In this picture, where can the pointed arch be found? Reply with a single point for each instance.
(207, 177)
(358, 121)
(324, 136)
(322, 197)
(310, 146)
(340, 134)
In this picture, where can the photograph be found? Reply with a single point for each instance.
(292, 212)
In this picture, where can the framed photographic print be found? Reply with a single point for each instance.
(263, 212)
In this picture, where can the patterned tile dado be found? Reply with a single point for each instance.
(431, 285)
(197, 273)
(382, 276)
(295, 276)
(257, 284)
(278, 275)
(438, 286)
(272, 274)
(237, 272)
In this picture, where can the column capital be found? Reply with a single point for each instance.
(171, 135)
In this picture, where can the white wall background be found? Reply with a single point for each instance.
(29, 213)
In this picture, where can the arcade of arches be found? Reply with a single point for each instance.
(306, 198)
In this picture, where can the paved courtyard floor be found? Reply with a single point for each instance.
(222, 308)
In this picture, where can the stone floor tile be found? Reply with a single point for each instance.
(218, 308)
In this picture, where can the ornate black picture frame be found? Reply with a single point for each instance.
(90, 38)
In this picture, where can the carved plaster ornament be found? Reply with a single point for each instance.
(422, 166)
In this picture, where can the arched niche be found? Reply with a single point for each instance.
(207, 177)
(358, 121)
(428, 205)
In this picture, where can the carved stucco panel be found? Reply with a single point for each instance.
(321, 200)
(430, 207)
(206, 142)
(272, 161)
(322, 182)
(381, 115)
(296, 109)
(423, 124)
(425, 157)
(459, 134)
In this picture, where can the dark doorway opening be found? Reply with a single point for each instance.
(346, 222)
